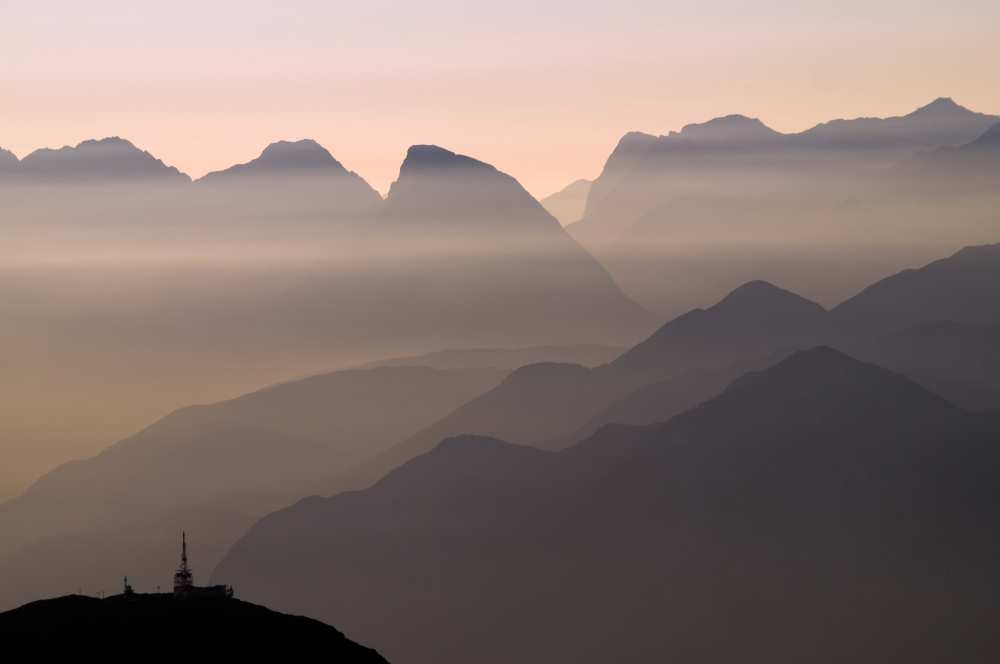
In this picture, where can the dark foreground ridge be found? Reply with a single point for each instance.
(164, 618)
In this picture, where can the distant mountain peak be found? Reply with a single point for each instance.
(305, 153)
(287, 156)
(810, 364)
(820, 356)
(429, 158)
(637, 138)
(941, 105)
(581, 185)
(727, 129)
(568, 204)
(115, 142)
(756, 320)
(823, 365)
(765, 295)
(547, 370)
(428, 151)
(7, 159)
(107, 158)
(733, 120)
(985, 253)
(468, 443)
(990, 139)
(436, 181)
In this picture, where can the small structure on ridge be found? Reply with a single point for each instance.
(184, 580)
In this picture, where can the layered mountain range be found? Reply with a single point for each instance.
(271, 269)
(818, 510)
(448, 220)
(721, 202)
(93, 161)
(939, 335)
(567, 204)
(215, 469)
(763, 476)
(211, 470)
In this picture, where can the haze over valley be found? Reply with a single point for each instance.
(549, 333)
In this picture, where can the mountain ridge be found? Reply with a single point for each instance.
(140, 619)
(284, 156)
(95, 160)
(820, 455)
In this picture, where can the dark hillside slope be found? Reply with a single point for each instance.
(821, 510)
(210, 625)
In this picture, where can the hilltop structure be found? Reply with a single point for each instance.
(184, 580)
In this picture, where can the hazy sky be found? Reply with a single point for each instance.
(543, 90)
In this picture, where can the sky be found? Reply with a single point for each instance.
(542, 90)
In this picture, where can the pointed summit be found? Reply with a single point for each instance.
(756, 320)
(281, 157)
(764, 295)
(941, 106)
(443, 187)
(433, 160)
(497, 240)
(939, 123)
(306, 153)
(295, 178)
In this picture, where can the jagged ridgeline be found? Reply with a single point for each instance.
(682, 218)
(458, 251)
(176, 292)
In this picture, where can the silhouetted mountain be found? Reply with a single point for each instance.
(757, 319)
(967, 168)
(284, 157)
(105, 160)
(191, 283)
(439, 189)
(817, 510)
(549, 405)
(964, 288)
(291, 182)
(476, 234)
(568, 203)
(659, 401)
(730, 132)
(638, 156)
(211, 470)
(217, 626)
(504, 358)
(942, 122)
(961, 362)
(990, 140)
(678, 219)
(538, 405)
(8, 161)
(693, 357)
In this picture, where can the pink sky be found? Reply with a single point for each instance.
(541, 90)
